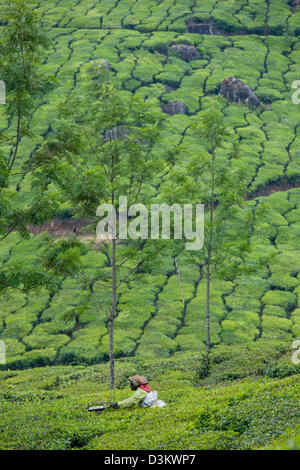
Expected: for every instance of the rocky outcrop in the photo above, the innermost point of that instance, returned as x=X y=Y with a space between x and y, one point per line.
x=175 y=107
x=186 y=52
x=200 y=28
x=122 y=133
x=238 y=92
x=115 y=133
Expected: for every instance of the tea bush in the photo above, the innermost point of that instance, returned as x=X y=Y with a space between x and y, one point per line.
x=286 y=300
x=260 y=46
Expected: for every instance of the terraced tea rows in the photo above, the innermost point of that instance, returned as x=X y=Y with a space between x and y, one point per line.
x=146 y=64
x=152 y=320
x=136 y=38
x=247 y=16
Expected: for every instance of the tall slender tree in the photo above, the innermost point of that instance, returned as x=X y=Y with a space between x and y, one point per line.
x=215 y=180
x=105 y=146
x=23 y=42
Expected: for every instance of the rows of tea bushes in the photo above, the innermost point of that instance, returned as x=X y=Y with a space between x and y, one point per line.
x=146 y=64
x=238 y=16
x=136 y=37
x=158 y=316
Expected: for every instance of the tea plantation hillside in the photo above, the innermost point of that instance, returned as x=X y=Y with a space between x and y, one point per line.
x=257 y=42
x=151 y=320
x=249 y=399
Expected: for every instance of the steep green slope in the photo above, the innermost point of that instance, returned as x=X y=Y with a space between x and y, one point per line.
x=136 y=38
x=152 y=321
x=247 y=16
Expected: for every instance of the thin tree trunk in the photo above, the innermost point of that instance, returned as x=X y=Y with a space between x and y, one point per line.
x=112 y=318
x=208 y=270
x=17 y=141
x=208 y=311
x=19 y=112
x=180 y=283
x=114 y=285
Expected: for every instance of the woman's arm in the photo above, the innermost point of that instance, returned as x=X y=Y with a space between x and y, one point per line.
x=134 y=400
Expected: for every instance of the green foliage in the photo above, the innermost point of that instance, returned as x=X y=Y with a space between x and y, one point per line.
x=233 y=410
x=286 y=300
x=40 y=341
x=84 y=347
x=276 y=328
x=23 y=44
x=16 y=330
x=283 y=281
x=263 y=148
x=155 y=344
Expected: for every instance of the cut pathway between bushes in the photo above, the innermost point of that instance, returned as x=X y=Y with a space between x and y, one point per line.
x=67 y=226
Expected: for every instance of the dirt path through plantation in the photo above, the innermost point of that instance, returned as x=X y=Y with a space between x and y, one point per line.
x=64 y=227
x=67 y=226
x=273 y=188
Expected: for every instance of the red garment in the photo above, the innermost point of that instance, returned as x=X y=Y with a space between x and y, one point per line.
x=146 y=388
